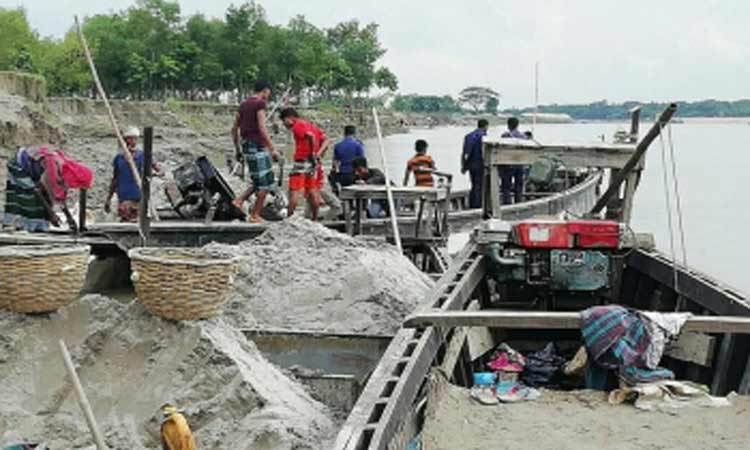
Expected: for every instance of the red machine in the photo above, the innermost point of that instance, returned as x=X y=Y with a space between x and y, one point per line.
x=567 y=234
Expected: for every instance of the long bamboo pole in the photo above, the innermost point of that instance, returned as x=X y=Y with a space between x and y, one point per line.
x=388 y=191
x=112 y=120
x=83 y=401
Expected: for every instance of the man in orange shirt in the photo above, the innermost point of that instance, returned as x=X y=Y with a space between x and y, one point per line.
x=307 y=174
x=422 y=165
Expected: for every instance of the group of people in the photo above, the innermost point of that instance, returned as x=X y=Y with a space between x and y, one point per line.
x=254 y=146
x=253 y=143
x=511 y=177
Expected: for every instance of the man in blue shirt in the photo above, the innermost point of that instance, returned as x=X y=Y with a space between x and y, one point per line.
x=344 y=153
x=471 y=161
x=123 y=183
x=511 y=177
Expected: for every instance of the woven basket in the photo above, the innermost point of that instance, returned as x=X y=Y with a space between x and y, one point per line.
x=41 y=278
x=180 y=283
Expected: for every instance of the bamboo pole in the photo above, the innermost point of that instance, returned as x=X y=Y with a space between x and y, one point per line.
x=83 y=401
x=112 y=120
x=389 y=192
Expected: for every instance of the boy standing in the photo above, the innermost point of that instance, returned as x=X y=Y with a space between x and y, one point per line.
x=310 y=145
x=422 y=165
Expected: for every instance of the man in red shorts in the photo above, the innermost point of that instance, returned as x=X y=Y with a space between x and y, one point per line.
x=307 y=175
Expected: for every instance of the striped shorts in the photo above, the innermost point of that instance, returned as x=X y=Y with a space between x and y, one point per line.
x=259 y=166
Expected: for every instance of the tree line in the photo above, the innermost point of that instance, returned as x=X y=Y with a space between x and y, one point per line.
x=603 y=110
x=150 y=51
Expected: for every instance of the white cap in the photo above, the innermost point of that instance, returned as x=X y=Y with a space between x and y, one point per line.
x=132 y=132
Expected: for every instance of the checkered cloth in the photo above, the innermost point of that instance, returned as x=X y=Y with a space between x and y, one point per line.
x=617 y=338
x=259 y=166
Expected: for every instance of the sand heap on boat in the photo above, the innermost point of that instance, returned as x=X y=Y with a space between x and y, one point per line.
x=130 y=363
x=301 y=275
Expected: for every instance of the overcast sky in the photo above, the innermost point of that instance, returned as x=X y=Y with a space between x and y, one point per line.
x=588 y=49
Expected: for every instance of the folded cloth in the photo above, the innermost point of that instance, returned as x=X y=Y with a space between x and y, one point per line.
x=628 y=341
x=666 y=394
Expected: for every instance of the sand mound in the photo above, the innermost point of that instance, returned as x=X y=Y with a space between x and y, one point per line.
x=130 y=363
x=301 y=275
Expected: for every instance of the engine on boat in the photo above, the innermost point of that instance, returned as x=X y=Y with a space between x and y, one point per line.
x=551 y=263
x=199 y=190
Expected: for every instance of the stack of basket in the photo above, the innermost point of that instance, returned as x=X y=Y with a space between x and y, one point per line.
x=41 y=278
x=181 y=283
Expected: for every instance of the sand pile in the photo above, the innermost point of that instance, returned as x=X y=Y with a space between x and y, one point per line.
x=301 y=275
x=130 y=363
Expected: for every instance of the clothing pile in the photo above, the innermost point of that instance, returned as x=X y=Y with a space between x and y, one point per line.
x=502 y=385
x=629 y=342
x=543 y=368
x=37 y=175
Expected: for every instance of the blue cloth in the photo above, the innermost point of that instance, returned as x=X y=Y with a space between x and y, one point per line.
x=347 y=151
x=617 y=338
x=511 y=180
x=127 y=189
x=515 y=134
x=472 y=153
x=475 y=195
x=259 y=166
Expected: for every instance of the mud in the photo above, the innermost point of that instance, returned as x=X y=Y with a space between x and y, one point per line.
x=301 y=275
x=130 y=363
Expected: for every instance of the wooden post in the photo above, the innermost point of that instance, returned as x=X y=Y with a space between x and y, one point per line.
x=83 y=401
x=744 y=388
x=82 y=210
x=144 y=222
x=108 y=107
x=389 y=193
x=719 y=382
x=635 y=159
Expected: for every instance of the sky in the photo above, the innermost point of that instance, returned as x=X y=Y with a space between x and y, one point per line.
x=588 y=50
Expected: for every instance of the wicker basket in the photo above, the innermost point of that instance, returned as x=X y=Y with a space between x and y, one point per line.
x=41 y=278
x=180 y=283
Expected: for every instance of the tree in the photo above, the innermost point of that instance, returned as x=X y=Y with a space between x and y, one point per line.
x=360 y=48
x=477 y=97
x=491 y=106
x=385 y=79
x=16 y=37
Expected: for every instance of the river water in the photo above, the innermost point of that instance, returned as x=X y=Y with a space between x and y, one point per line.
x=713 y=163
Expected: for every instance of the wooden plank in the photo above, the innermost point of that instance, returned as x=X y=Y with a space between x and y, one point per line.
x=144 y=220
x=377 y=192
x=494 y=192
x=631 y=183
x=694 y=285
x=636 y=160
x=744 y=388
x=693 y=347
x=555 y=320
x=82 y=196
x=453 y=351
x=524 y=153
x=719 y=382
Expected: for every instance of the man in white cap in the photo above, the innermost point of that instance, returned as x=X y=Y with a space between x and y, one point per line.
x=123 y=183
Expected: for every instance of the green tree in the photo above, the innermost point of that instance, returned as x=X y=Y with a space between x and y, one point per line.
x=385 y=79
x=491 y=106
x=16 y=38
x=360 y=48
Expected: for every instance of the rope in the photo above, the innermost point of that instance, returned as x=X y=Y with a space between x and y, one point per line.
x=678 y=208
x=668 y=201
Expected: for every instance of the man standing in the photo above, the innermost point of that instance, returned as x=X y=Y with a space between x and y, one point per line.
x=310 y=145
x=344 y=153
x=252 y=142
x=471 y=161
x=123 y=183
x=512 y=176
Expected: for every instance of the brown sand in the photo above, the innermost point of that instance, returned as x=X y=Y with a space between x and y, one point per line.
x=576 y=420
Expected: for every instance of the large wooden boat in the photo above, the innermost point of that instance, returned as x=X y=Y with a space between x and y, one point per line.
x=502 y=285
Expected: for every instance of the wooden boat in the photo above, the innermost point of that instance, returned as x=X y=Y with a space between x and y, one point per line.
x=502 y=284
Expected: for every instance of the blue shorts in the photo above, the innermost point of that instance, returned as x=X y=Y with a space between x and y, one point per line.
x=259 y=166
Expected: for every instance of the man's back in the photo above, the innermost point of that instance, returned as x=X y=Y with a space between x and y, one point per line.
x=515 y=134
x=346 y=151
x=249 y=126
x=422 y=164
x=302 y=130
